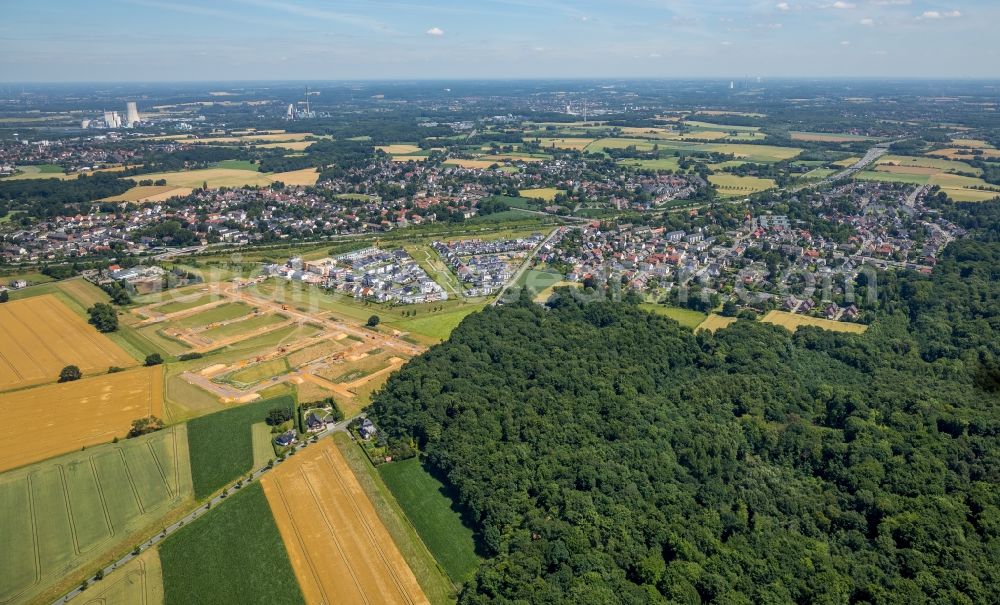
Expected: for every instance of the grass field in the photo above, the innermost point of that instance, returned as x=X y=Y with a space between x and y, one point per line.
x=542 y=193
x=232 y=554
x=440 y=590
x=715 y=322
x=41 y=336
x=937 y=164
x=667 y=163
x=64 y=514
x=238 y=165
x=188 y=301
x=731 y=185
x=221 y=444
x=957 y=187
x=439 y=325
x=792 y=322
x=340 y=551
x=756 y=153
x=246 y=326
x=224 y=312
x=685 y=317
x=423 y=498
x=150 y=193
x=257 y=372
x=67 y=416
x=723 y=127
x=32 y=277
x=260 y=437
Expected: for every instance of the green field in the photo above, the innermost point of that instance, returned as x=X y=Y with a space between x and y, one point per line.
x=187 y=303
x=722 y=127
x=685 y=317
x=232 y=554
x=439 y=325
x=667 y=163
x=72 y=511
x=431 y=576
x=32 y=277
x=222 y=446
x=253 y=374
x=154 y=336
x=223 y=312
x=261 y=438
x=423 y=498
x=731 y=185
x=244 y=327
x=238 y=165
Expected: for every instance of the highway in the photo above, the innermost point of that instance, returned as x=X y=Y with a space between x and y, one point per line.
x=203 y=508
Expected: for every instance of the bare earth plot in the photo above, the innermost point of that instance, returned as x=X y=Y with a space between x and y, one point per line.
x=63 y=417
x=340 y=551
x=40 y=336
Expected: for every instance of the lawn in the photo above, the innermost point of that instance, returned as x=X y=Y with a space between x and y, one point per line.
x=251 y=375
x=431 y=576
x=439 y=325
x=230 y=555
x=223 y=312
x=189 y=302
x=221 y=444
x=685 y=317
x=433 y=512
x=244 y=327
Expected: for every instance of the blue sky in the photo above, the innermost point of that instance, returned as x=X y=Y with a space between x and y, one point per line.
x=164 y=40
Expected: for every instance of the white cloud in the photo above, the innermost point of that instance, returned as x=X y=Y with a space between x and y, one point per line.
x=435 y=31
x=867 y=22
x=841 y=5
x=940 y=15
x=783 y=6
x=655 y=55
x=727 y=43
x=845 y=43
x=892 y=2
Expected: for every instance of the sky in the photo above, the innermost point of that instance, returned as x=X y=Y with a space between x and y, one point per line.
x=220 y=40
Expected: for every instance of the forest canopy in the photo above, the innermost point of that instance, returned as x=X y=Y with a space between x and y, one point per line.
x=606 y=455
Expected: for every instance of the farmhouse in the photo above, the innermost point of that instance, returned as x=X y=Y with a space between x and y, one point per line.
x=367 y=429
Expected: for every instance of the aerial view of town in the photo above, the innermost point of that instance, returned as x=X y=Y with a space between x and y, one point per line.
x=507 y=302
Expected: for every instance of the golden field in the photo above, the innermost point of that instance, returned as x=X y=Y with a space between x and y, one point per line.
x=339 y=548
x=40 y=336
x=65 y=417
x=793 y=321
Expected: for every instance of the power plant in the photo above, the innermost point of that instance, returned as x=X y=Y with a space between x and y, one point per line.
x=131 y=115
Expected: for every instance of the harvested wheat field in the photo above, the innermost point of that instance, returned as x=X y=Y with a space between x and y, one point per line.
x=150 y=193
x=40 y=336
x=715 y=322
x=471 y=164
x=67 y=416
x=340 y=551
x=399 y=149
x=793 y=321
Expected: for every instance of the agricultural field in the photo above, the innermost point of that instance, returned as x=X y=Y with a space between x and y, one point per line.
x=715 y=322
x=542 y=193
x=686 y=317
x=440 y=590
x=221 y=444
x=471 y=164
x=150 y=193
x=723 y=127
x=846 y=162
x=731 y=185
x=263 y=450
x=233 y=177
x=63 y=417
x=244 y=327
x=957 y=187
x=399 y=149
x=661 y=164
x=225 y=312
x=426 y=503
x=32 y=277
x=40 y=336
x=755 y=153
x=793 y=321
x=138 y=582
x=64 y=514
x=935 y=164
x=230 y=554
x=616 y=143
x=564 y=143
x=827 y=137
x=340 y=551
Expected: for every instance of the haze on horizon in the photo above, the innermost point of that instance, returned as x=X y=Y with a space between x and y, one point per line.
x=184 y=40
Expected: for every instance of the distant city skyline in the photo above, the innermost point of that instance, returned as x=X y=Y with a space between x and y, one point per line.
x=182 y=40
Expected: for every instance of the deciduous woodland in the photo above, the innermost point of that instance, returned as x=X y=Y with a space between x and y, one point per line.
x=607 y=455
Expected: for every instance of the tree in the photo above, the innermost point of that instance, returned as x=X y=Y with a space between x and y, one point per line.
x=143 y=426
x=730 y=308
x=153 y=359
x=278 y=416
x=70 y=373
x=104 y=317
x=4 y=296
x=373 y=321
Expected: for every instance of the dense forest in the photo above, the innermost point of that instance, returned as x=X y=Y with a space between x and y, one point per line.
x=606 y=455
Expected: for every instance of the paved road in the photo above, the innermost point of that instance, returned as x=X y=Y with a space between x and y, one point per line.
x=203 y=509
